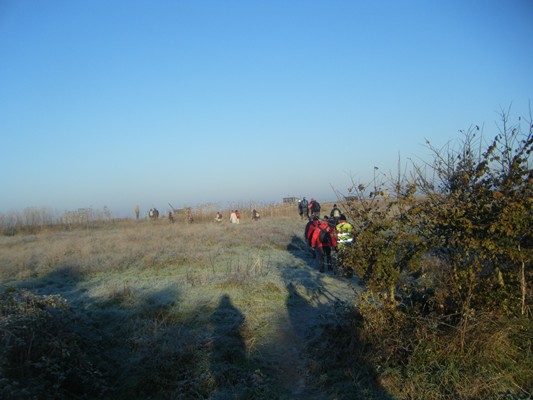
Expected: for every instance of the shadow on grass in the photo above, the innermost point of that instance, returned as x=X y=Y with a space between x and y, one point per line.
x=136 y=345
x=299 y=248
x=130 y=346
x=228 y=347
x=309 y=277
x=127 y=345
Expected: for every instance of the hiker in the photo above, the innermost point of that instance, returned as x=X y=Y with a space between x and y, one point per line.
x=314 y=208
x=153 y=213
x=218 y=217
x=255 y=215
x=335 y=213
x=308 y=232
x=170 y=217
x=323 y=240
x=137 y=211
x=234 y=217
x=344 y=232
x=303 y=208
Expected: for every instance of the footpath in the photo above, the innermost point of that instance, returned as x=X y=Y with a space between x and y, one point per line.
x=311 y=301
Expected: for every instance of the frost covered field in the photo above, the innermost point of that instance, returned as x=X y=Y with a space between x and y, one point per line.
x=153 y=309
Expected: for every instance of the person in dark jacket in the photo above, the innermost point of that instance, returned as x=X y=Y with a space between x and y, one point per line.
x=303 y=208
x=335 y=214
x=314 y=208
x=255 y=215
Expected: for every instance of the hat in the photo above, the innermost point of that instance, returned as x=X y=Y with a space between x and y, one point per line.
x=342 y=217
x=326 y=217
x=315 y=218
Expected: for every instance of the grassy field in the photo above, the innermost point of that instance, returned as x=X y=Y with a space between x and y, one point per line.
x=154 y=310
x=149 y=309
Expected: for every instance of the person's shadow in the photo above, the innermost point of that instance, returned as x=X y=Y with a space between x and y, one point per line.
x=229 y=349
x=299 y=248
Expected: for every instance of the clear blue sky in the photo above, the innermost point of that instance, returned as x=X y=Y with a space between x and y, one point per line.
x=117 y=103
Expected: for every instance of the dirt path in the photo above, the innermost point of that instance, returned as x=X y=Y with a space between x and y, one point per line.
x=312 y=296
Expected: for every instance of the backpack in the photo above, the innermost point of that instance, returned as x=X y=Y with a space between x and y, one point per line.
x=316 y=206
x=324 y=237
x=304 y=203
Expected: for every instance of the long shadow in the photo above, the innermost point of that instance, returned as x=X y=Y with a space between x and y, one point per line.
x=228 y=351
x=299 y=248
x=141 y=346
x=309 y=276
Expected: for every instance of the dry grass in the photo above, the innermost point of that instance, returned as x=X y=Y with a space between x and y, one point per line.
x=154 y=294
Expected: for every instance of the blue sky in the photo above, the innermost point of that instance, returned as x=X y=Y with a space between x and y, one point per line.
x=118 y=103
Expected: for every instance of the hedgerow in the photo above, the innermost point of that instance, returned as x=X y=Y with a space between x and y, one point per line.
x=445 y=255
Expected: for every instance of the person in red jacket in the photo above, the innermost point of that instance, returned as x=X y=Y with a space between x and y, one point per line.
x=308 y=233
x=323 y=240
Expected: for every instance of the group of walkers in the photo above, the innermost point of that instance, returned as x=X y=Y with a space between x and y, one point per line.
x=326 y=235
x=235 y=218
x=308 y=209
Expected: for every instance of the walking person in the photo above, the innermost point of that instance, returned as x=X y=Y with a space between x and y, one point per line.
x=303 y=208
x=314 y=208
x=308 y=232
x=344 y=232
x=335 y=214
x=323 y=240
